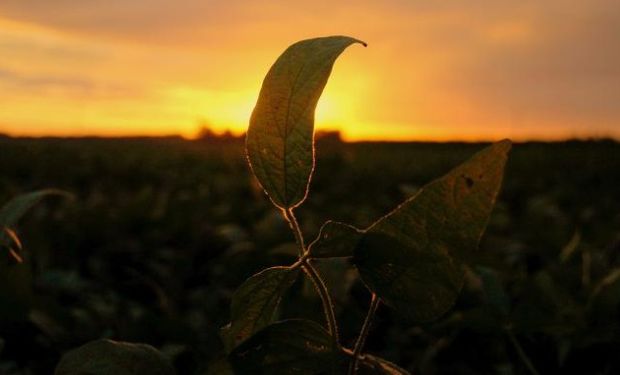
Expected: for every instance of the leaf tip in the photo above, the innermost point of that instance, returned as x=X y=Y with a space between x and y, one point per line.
x=355 y=40
x=503 y=146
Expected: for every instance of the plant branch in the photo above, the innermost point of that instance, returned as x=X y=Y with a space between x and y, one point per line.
x=319 y=284
x=361 y=340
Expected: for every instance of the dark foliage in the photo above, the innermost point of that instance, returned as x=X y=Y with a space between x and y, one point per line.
x=162 y=231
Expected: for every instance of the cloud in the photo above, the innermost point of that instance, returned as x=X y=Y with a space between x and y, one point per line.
x=522 y=66
x=565 y=70
x=41 y=82
x=144 y=21
x=41 y=85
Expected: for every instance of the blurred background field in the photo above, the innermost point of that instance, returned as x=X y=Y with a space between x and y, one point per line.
x=162 y=230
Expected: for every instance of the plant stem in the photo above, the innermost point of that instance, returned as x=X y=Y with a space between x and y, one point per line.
x=299 y=237
x=521 y=353
x=361 y=340
x=328 y=306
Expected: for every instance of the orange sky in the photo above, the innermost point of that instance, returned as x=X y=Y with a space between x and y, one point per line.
x=433 y=70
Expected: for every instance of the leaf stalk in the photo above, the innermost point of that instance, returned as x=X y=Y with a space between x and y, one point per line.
x=315 y=277
x=361 y=340
x=328 y=306
x=299 y=237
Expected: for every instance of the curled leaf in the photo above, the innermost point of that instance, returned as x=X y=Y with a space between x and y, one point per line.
x=280 y=138
x=14 y=209
x=335 y=240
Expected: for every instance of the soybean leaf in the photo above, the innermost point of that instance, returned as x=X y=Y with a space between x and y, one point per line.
x=254 y=304
x=13 y=210
x=107 y=357
x=280 y=144
x=335 y=240
x=12 y=243
x=16 y=293
x=372 y=365
x=289 y=347
x=413 y=257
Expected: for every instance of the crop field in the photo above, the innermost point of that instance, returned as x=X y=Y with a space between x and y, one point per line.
x=159 y=232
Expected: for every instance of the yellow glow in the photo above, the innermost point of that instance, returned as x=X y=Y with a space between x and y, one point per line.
x=220 y=110
x=429 y=73
x=333 y=111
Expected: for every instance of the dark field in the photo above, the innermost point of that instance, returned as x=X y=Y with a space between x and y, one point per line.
x=161 y=231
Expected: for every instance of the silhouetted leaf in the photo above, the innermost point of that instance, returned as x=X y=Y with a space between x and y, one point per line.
x=335 y=240
x=280 y=136
x=107 y=357
x=288 y=347
x=412 y=258
x=13 y=210
x=15 y=275
x=255 y=302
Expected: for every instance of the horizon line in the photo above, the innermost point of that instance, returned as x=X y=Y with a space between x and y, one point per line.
x=239 y=137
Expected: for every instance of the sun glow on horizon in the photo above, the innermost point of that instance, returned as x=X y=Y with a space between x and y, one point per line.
x=430 y=72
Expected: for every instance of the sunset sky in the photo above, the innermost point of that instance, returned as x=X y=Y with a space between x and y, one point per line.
x=432 y=70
